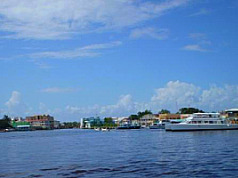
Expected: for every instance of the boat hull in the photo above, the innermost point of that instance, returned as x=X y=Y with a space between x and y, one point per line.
x=200 y=127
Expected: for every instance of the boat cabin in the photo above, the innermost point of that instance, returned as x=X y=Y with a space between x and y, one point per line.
x=206 y=115
x=204 y=118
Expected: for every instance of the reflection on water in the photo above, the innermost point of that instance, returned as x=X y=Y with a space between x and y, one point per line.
x=128 y=153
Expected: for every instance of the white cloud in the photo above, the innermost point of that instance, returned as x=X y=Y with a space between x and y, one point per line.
x=61 y=19
x=219 y=97
x=15 y=105
x=86 y=51
x=150 y=32
x=176 y=94
x=14 y=100
x=194 y=47
x=59 y=90
x=124 y=106
x=180 y=94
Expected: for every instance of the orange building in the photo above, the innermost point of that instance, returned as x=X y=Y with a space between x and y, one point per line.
x=169 y=116
x=41 y=121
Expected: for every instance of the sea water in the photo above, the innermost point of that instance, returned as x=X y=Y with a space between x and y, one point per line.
x=119 y=153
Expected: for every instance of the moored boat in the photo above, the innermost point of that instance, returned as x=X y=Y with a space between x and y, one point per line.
x=203 y=121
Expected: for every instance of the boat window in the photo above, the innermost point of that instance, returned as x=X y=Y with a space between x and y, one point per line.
x=199 y=122
x=210 y=122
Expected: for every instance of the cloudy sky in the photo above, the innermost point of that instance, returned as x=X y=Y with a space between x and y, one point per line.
x=79 y=58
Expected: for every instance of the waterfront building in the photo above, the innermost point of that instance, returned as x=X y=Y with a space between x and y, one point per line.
x=124 y=121
x=20 y=124
x=169 y=116
x=232 y=113
x=56 y=124
x=127 y=121
x=148 y=120
x=41 y=121
x=91 y=122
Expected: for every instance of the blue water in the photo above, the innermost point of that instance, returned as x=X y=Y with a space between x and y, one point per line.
x=127 y=153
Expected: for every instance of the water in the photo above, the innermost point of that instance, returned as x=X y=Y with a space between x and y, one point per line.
x=128 y=153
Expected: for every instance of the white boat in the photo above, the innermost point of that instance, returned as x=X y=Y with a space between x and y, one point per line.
x=105 y=129
x=203 y=121
x=97 y=129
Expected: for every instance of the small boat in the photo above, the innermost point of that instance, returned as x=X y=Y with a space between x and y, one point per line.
x=105 y=130
x=203 y=121
x=97 y=129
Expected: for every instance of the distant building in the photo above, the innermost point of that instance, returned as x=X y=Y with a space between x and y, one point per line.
x=91 y=122
x=41 y=121
x=17 y=119
x=169 y=116
x=20 y=124
x=232 y=113
x=122 y=121
x=56 y=124
x=148 y=120
x=127 y=121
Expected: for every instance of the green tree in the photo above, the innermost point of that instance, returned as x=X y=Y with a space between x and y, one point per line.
x=190 y=111
x=108 y=120
x=133 y=117
x=141 y=114
x=5 y=122
x=164 y=111
x=70 y=125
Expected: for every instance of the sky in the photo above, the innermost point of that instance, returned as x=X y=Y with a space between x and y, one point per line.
x=80 y=58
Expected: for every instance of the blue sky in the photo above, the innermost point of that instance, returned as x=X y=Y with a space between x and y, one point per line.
x=79 y=58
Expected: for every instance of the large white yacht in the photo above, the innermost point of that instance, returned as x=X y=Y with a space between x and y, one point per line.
x=203 y=121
